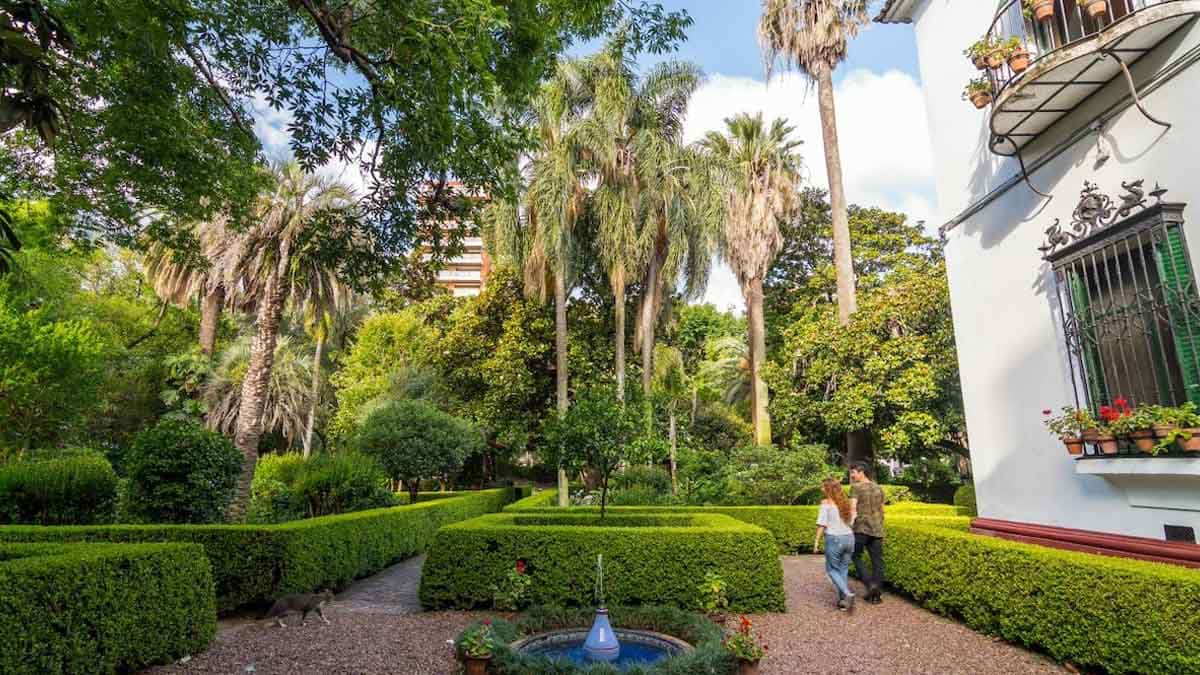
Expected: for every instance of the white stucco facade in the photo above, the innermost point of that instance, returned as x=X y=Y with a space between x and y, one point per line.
x=1012 y=353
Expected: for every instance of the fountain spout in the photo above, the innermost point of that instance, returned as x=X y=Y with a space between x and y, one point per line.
x=601 y=643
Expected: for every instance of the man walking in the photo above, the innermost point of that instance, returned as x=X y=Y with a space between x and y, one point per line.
x=868 y=530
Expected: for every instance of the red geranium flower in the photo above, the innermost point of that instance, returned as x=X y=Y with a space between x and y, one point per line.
x=520 y=567
x=487 y=620
x=1047 y=412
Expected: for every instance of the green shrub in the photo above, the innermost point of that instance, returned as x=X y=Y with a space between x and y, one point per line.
x=775 y=476
x=964 y=501
x=257 y=563
x=288 y=487
x=413 y=440
x=535 y=500
x=180 y=472
x=653 y=478
x=920 y=509
x=78 y=489
x=1096 y=612
x=639 y=495
x=100 y=608
x=646 y=560
x=708 y=656
x=892 y=494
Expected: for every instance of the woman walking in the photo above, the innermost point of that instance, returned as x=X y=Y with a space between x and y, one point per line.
x=834 y=519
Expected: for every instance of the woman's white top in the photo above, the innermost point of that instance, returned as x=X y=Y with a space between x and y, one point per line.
x=831 y=520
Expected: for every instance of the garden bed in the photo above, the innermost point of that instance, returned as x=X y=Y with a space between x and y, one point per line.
x=649 y=558
x=102 y=608
x=257 y=563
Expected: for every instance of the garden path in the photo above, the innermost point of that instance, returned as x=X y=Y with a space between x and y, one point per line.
x=376 y=627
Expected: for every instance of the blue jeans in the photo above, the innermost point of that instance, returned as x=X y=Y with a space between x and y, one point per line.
x=838 y=551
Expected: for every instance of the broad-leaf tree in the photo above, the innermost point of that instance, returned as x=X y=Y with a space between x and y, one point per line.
x=595 y=433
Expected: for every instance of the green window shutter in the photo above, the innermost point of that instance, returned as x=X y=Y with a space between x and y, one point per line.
x=1094 y=377
x=1179 y=294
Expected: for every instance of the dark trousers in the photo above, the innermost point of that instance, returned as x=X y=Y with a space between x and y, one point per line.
x=874 y=547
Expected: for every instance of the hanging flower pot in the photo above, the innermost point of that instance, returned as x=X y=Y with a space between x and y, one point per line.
x=1018 y=60
x=1040 y=10
x=995 y=59
x=1074 y=445
x=1094 y=8
x=979 y=92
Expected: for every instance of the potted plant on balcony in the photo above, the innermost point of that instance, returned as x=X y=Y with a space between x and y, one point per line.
x=979 y=92
x=1094 y=8
x=476 y=646
x=1106 y=436
x=1178 y=426
x=1017 y=54
x=1071 y=427
x=982 y=51
x=1135 y=424
x=1039 y=10
x=746 y=647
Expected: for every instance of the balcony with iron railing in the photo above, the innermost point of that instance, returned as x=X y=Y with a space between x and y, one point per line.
x=1042 y=58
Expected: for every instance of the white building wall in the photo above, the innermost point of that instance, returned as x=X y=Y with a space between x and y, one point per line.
x=1012 y=359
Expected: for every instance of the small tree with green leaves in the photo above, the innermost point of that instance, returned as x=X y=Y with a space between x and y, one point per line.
x=413 y=440
x=595 y=432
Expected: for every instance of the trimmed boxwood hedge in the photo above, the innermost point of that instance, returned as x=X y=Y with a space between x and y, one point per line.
x=1119 y=615
x=539 y=499
x=102 y=608
x=708 y=656
x=645 y=562
x=257 y=563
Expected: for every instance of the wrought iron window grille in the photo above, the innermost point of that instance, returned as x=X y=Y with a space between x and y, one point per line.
x=1127 y=299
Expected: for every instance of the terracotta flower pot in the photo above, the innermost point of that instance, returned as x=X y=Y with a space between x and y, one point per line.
x=718 y=618
x=1019 y=61
x=1043 y=10
x=1097 y=8
x=1091 y=436
x=995 y=59
x=981 y=99
x=1163 y=430
x=1074 y=444
x=476 y=666
x=1143 y=439
x=980 y=62
x=1192 y=444
x=1108 y=444
x=747 y=667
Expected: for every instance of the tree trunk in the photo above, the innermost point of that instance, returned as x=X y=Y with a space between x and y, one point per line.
x=648 y=325
x=254 y=391
x=671 y=436
x=858 y=449
x=619 y=340
x=316 y=396
x=414 y=486
x=210 y=318
x=758 y=351
x=843 y=261
x=560 y=355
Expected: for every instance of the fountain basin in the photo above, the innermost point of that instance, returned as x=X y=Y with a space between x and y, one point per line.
x=638 y=647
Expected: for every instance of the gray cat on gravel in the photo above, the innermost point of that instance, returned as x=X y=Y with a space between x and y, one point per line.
x=302 y=603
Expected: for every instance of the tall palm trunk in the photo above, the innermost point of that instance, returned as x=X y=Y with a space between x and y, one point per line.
x=671 y=436
x=758 y=351
x=560 y=354
x=210 y=318
x=254 y=390
x=858 y=443
x=618 y=282
x=652 y=270
x=316 y=395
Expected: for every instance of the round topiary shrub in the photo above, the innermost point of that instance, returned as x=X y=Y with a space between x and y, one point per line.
x=964 y=499
x=180 y=472
x=74 y=488
x=413 y=440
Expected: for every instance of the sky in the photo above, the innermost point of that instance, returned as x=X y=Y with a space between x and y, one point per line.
x=882 y=128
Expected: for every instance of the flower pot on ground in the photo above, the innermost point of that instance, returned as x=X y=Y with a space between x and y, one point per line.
x=476 y=645
x=476 y=666
x=747 y=667
x=1039 y=10
x=979 y=92
x=746 y=647
x=1094 y=8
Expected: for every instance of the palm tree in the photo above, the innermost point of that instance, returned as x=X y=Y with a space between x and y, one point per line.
x=671 y=386
x=178 y=278
x=812 y=36
x=761 y=174
x=288 y=395
x=326 y=317
x=275 y=260
x=727 y=369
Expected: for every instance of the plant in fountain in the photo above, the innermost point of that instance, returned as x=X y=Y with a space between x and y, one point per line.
x=509 y=594
x=476 y=646
x=747 y=647
x=594 y=433
x=714 y=601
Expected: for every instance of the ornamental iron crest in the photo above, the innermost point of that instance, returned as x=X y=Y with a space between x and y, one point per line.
x=1097 y=211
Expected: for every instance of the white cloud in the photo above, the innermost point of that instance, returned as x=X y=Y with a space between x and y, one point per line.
x=882 y=133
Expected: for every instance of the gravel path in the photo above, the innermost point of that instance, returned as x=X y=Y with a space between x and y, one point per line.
x=374 y=629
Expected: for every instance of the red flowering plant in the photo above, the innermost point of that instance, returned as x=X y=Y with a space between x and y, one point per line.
x=509 y=594
x=478 y=641
x=745 y=645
